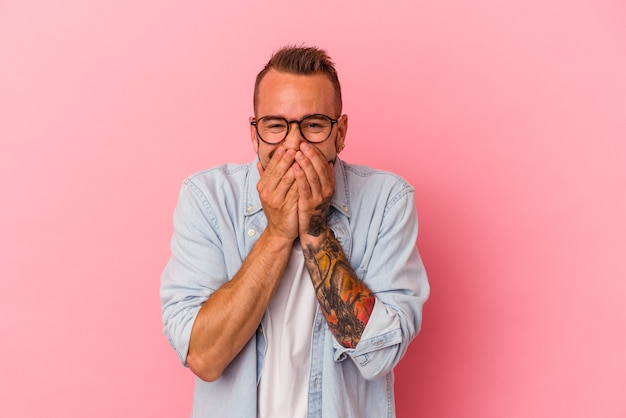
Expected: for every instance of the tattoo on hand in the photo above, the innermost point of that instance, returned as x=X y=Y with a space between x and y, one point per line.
x=317 y=223
x=345 y=301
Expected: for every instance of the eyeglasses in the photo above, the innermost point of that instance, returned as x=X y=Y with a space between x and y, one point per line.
x=274 y=129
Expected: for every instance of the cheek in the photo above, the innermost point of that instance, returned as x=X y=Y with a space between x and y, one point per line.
x=265 y=154
x=329 y=151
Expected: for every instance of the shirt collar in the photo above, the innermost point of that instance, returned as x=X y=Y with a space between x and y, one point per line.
x=341 y=197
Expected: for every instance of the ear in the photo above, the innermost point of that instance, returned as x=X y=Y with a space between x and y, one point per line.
x=342 y=129
x=253 y=138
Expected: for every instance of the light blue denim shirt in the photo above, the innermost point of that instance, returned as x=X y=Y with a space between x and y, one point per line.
x=217 y=221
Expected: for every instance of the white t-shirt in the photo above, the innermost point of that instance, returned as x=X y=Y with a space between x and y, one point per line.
x=283 y=388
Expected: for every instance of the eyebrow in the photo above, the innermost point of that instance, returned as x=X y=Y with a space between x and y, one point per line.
x=296 y=119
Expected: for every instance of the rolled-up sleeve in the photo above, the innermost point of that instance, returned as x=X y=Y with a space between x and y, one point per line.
x=394 y=272
x=196 y=267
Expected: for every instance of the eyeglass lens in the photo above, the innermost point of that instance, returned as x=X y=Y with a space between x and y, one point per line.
x=315 y=128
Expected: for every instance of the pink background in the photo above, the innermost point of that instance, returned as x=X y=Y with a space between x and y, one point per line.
x=509 y=117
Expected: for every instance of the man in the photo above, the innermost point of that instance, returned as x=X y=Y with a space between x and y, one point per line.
x=294 y=285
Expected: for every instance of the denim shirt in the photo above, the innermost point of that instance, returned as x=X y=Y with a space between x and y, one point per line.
x=218 y=219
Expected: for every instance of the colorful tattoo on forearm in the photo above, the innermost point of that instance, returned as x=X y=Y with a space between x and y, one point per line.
x=345 y=301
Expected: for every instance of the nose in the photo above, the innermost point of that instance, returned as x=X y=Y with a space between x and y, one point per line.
x=294 y=136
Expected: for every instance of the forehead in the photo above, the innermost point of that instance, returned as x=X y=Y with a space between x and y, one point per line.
x=295 y=95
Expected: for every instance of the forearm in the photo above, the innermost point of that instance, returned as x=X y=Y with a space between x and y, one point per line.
x=344 y=299
x=231 y=315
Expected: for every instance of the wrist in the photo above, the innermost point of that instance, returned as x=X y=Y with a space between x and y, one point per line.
x=273 y=242
x=316 y=239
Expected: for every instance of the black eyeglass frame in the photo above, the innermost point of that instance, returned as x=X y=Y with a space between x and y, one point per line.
x=298 y=122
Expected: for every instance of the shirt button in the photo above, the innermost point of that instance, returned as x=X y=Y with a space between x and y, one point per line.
x=251 y=232
x=346 y=209
x=249 y=209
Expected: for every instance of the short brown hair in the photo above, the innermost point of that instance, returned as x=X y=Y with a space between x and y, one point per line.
x=303 y=61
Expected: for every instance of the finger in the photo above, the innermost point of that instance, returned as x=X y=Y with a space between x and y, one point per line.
x=275 y=158
x=302 y=184
x=276 y=196
x=277 y=167
x=308 y=178
x=286 y=184
x=323 y=181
